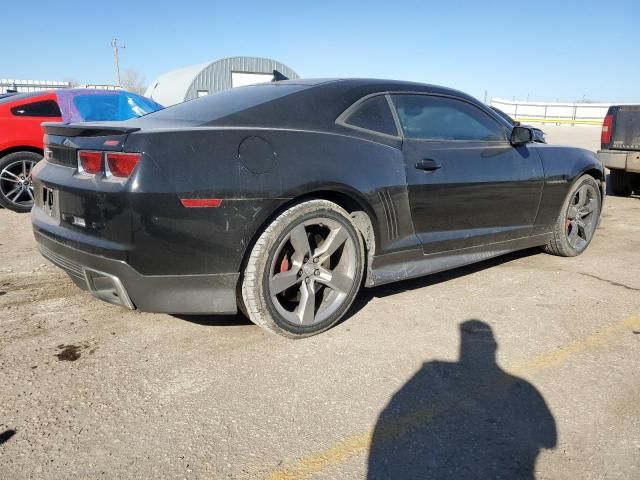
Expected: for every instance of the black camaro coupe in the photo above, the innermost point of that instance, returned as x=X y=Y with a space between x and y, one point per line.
x=283 y=199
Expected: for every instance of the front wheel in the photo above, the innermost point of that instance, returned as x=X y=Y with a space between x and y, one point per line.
x=578 y=219
x=304 y=271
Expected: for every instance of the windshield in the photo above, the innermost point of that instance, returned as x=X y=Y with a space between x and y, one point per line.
x=503 y=115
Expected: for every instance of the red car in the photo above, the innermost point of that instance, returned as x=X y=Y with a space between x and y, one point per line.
x=21 y=115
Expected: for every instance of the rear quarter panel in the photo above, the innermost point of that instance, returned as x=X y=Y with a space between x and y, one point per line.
x=22 y=131
x=258 y=172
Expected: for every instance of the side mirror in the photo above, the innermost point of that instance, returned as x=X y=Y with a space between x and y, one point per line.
x=521 y=135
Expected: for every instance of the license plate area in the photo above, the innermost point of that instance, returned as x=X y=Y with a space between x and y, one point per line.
x=50 y=202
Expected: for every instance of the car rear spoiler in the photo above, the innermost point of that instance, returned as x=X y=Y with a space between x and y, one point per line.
x=85 y=129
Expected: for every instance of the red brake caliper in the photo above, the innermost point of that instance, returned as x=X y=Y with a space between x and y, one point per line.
x=284 y=264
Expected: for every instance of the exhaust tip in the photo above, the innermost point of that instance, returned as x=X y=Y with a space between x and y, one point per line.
x=107 y=287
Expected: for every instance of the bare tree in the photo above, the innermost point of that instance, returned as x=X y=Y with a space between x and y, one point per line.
x=133 y=81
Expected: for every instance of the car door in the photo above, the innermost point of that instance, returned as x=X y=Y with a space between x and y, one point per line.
x=468 y=186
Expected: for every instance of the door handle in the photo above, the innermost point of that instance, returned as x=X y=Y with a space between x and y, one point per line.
x=428 y=165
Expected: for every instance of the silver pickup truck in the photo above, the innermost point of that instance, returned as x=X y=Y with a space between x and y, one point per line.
x=620 y=148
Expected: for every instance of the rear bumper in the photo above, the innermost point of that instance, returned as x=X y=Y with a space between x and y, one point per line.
x=117 y=282
x=620 y=160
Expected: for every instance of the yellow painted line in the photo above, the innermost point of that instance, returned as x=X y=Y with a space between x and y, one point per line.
x=357 y=444
x=552 y=359
x=558 y=120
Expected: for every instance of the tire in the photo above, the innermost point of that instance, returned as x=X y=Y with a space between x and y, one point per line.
x=636 y=183
x=576 y=224
x=621 y=183
x=284 y=290
x=16 y=186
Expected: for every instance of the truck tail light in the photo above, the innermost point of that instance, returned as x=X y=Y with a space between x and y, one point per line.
x=89 y=161
x=121 y=164
x=607 y=126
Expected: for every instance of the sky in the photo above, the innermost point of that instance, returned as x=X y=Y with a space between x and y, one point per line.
x=542 y=50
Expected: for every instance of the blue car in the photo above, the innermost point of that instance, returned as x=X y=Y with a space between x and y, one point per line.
x=87 y=105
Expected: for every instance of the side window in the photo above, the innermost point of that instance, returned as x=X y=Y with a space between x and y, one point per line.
x=46 y=108
x=427 y=117
x=373 y=114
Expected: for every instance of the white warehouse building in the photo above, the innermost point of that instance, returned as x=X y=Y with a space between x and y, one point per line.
x=207 y=78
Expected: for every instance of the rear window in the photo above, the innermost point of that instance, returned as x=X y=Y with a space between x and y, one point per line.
x=373 y=114
x=626 y=128
x=228 y=102
x=113 y=106
x=44 y=108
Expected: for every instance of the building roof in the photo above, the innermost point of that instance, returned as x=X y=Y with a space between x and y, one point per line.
x=170 y=88
x=183 y=84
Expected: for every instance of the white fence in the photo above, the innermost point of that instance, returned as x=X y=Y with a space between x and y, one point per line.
x=550 y=112
x=24 y=86
x=100 y=87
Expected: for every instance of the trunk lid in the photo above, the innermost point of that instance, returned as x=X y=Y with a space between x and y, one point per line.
x=62 y=141
x=91 y=209
x=626 y=128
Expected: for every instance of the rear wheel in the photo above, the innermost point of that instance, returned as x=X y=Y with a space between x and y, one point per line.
x=16 y=185
x=636 y=183
x=578 y=219
x=621 y=183
x=304 y=271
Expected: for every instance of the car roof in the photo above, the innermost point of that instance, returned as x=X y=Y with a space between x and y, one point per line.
x=312 y=104
x=378 y=84
x=20 y=97
x=316 y=103
x=95 y=90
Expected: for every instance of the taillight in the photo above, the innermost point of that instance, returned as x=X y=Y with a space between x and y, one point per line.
x=121 y=164
x=607 y=126
x=89 y=162
x=116 y=164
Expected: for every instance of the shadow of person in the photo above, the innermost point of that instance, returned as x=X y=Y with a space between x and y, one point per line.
x=465 y=419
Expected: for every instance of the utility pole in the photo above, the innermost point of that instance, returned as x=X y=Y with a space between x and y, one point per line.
x=116 y=48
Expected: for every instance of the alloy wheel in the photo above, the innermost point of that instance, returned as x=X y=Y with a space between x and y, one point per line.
x=313 y=271
x=16 y=184
x=582 y=217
